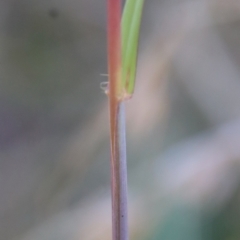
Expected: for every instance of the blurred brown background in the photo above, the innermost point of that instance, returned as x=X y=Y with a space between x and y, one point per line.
x=183 y=122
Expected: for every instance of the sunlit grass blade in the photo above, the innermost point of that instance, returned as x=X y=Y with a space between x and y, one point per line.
x=131 y=20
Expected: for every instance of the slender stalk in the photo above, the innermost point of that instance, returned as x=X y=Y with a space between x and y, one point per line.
x=117 y=125
x=119 y=178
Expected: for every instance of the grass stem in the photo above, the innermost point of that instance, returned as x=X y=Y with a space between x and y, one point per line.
x=119 y=178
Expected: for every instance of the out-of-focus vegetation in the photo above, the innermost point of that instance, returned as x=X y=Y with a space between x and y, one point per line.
x=183 y=122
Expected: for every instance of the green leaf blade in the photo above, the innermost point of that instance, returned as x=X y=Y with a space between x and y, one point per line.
x=131 y=21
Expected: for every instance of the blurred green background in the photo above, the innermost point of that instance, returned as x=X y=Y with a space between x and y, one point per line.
x=183 y=122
